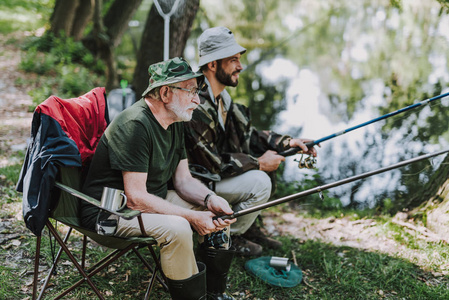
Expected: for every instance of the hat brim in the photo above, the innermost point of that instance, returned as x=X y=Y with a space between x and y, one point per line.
x=173 y=80
x=220 y=54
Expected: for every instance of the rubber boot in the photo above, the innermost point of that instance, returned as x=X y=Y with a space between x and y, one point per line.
x=192 y=288
x=218 y=262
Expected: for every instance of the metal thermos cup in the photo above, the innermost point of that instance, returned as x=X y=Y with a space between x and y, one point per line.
x=113 y=199
x=280 y=263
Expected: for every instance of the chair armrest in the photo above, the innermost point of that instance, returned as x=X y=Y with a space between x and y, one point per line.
x=203 y=174
x=124 y=213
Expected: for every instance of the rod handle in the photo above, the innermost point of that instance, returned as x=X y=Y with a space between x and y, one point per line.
x=225 y=217
x=293 y=151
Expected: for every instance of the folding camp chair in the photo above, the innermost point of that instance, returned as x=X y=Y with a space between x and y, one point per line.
x=64 y=137
x=67 y=212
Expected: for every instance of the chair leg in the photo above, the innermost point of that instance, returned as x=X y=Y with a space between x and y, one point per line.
x=36 y=265
x=154 y=271
x=53 y=267
x=116 y=255
x=156 y=261
x=102 y=261
x=72 y=258
x=83 y=257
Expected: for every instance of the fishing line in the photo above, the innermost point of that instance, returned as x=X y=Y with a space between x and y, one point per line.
x=381 y=142
x=395 y=125
x=324 y=187
x=310 y=161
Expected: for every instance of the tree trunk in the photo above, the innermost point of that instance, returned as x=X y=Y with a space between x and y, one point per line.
x=433 y=188
x=63 y=16
x=117 y=19
x=152 y=44
x=104 y=48
x=433 y=202
x=55 y=9
x=83 y=16
x=102 y=40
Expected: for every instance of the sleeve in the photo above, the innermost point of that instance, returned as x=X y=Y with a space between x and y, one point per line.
x=263 y=140
x=258 y=141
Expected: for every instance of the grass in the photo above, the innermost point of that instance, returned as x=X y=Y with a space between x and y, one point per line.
x=7 y=286
x=330 y=272
x=418 y=270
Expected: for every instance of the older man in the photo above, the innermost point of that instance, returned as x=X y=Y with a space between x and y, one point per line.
x=140 y=152
x=220 y=138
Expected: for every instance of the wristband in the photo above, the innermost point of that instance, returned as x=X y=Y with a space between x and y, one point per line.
x=206 y=199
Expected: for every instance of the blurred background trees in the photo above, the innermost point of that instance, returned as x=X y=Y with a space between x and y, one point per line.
x=349 y=61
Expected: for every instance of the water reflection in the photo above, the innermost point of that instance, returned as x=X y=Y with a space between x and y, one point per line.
x=364 y=62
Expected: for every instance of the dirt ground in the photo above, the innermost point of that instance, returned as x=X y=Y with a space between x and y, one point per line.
x=15 y=124
x=15 y=120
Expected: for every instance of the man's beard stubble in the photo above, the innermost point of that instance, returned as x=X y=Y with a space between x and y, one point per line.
x=226 y=78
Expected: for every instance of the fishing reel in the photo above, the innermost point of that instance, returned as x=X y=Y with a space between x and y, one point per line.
x=217 y=240
x=308 y=162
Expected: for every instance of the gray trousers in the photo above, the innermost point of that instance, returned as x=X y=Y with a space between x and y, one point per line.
x=244 y=191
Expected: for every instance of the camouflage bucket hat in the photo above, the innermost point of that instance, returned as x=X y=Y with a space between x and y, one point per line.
x=171 y=71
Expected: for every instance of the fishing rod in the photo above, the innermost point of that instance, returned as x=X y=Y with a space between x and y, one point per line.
x=310 y=161
x=319 y=189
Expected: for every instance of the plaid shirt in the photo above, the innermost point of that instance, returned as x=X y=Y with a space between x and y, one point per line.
x=227 y=149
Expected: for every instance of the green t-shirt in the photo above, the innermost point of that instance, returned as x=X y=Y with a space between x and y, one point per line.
x=135 y=142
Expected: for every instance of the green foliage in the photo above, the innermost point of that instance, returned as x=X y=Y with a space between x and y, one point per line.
x=341 y=273
x=70 y=69
x=76 y=80
x=10 y=174
x=23 y=15
x=264 y=99
x=63 y=49
x=317 y=203
x=37 y=62
x=387 y=206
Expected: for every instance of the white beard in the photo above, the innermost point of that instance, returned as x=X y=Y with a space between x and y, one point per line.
x=180 y=113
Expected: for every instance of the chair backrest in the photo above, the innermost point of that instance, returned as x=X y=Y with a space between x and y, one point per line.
x=68 y=207
x=84 y=120
x=64 y=132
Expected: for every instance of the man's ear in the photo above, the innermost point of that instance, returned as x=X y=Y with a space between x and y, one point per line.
x=164 y=93
x=212 y=65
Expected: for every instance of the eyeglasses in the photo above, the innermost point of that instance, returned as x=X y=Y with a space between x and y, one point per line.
x=193 y=91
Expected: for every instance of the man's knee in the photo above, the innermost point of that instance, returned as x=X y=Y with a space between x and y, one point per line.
x=177 y=229
x=258 y=187
x=261 y=182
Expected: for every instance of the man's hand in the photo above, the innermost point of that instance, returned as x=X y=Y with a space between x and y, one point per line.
x=270 y=161
x=202 y=222
x=300 y=143
x=220 y=207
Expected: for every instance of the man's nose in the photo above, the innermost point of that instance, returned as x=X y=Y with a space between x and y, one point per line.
x=196 y=99
x=239 y=66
